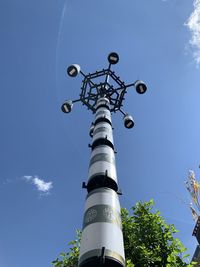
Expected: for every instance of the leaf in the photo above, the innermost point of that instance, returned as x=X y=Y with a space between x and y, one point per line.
x=63 y=254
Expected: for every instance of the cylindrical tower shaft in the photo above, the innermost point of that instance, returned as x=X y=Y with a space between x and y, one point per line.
x=102 y=239
x=102 y=169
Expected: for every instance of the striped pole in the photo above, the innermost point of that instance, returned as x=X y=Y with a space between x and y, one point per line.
x=102 y=238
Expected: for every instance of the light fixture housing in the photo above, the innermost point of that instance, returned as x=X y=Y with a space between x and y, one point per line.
x=113 y=58
x=67 y=106
x=73 y=70
x=128 y=121
x=140 y=87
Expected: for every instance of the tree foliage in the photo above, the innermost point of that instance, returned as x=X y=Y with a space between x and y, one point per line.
x=148 y=240
x=70 y=259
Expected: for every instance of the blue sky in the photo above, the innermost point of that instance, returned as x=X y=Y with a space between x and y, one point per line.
x=44 y=153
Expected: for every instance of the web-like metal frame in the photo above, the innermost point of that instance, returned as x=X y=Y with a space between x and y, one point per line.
x=110 y=86
x=91 y=91
x=104 y=83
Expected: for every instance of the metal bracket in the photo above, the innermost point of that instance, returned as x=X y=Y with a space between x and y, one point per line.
x=102 y=257
x=119 y=192
x=84 y=185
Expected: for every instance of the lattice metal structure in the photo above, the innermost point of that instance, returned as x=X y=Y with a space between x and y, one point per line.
x=103 y=93
x=110 y=85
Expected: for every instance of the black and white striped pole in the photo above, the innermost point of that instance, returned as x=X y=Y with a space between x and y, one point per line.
x=102 y=238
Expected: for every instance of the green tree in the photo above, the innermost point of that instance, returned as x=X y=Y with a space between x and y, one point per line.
x=148 y=240
x=70 y=259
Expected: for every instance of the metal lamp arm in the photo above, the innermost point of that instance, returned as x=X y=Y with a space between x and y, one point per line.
x=122 y=112
x=77 y=100
x=125 y=86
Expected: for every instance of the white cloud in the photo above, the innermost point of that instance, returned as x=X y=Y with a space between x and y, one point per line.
x=41 y=185
x=193 y=23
